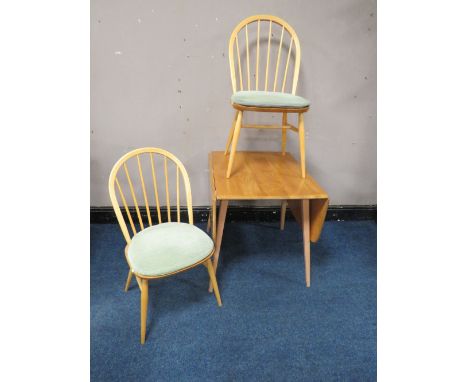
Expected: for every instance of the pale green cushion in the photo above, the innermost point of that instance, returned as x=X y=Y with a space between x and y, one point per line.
x=168 y=247
x=268 y=99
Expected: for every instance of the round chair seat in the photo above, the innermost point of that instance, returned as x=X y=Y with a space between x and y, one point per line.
x=167 y=248
x=257 y=98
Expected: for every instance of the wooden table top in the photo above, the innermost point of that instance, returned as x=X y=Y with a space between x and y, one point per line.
x=261 y=175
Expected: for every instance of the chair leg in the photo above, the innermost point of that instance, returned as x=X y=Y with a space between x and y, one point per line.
x=302 y=143
x=283 y=134
x=144 y=309
x=214 y=283
x=283 y=214
x=235 y=138
x=231 y=132
x=213 y=219
x=138 y=282
x=129 y=279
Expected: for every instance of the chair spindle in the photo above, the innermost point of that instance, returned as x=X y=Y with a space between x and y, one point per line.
x=258 y=54
x=178 y=196
x=143 y=187
x=142 y=226
x=239 y=64
x=287 y=64
x=125 y=205
x=278 y=59
x=247 y=56
x=155 y=186
x=268 y=59
x=168 y=205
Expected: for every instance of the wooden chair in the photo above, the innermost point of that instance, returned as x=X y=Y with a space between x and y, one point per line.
x=248 y=92
x=163 y=249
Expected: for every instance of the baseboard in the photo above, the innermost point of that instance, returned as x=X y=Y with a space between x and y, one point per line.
x=105 y=215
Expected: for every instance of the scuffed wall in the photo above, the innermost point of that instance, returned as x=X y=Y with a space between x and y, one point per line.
x=160 y=77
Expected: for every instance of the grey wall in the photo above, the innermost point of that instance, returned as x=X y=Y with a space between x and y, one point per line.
x=160 y=77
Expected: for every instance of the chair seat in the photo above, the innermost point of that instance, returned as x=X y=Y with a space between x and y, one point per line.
x=269 y=99
x=168 y=247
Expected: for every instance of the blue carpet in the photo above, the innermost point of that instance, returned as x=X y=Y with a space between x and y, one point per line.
x=270 y=328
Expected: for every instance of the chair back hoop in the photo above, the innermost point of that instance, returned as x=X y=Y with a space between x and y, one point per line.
x=263 y=23
x=149 y=188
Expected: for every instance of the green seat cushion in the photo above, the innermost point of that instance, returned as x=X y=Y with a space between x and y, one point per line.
x=268 y=99
x=168 y=247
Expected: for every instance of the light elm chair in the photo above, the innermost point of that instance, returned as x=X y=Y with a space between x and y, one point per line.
x=157 y=250
x=257 y=88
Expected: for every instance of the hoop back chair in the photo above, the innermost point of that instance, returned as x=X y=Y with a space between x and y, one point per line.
x=250 y=94
x=161 y=248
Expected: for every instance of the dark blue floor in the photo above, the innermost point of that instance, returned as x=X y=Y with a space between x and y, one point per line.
x=270 y=328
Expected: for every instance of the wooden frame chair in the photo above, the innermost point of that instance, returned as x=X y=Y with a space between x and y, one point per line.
x=135 y=263
x=275 y=101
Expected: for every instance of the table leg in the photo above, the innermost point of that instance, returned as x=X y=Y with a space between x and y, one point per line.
x=208 y=223
x=219 y=235
x=284 y=204
x=306 y=238
x=213 y=221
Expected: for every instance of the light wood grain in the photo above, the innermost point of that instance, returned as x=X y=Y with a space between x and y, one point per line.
x=285 y=126
x=113 y=182
x=263 y=175
x=247 y=56
x=269 y=176
x=213 y=201
x=268 y=58
x=235 y=139
x=144 y=310
x=302 y=143
x=135 y=203
x=219 y=235
x=231 y=133
x=178 y=195
x=237 y=77
x=213 y=281
x=318 y=211
x=168 y=203
x=143 y=188
x=122 y=197
x=155 y=188
x=234 y=45
x=278 y=58
x=239 y=64
x=138 y=279
x=287 y=65
x=306 y=239
x=258 y=54
x=129 y=280
x=114 y=185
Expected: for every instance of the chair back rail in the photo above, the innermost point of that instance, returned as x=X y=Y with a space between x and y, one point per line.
x=122 y=186
x=239 y=42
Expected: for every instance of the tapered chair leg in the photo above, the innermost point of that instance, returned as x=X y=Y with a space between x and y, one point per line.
x=144 y=309
x=129 y=279
x=214 y=283
x=235 y=138
x=302 y=143
x=283 y=134
x=283 y=214
x=231 y=132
